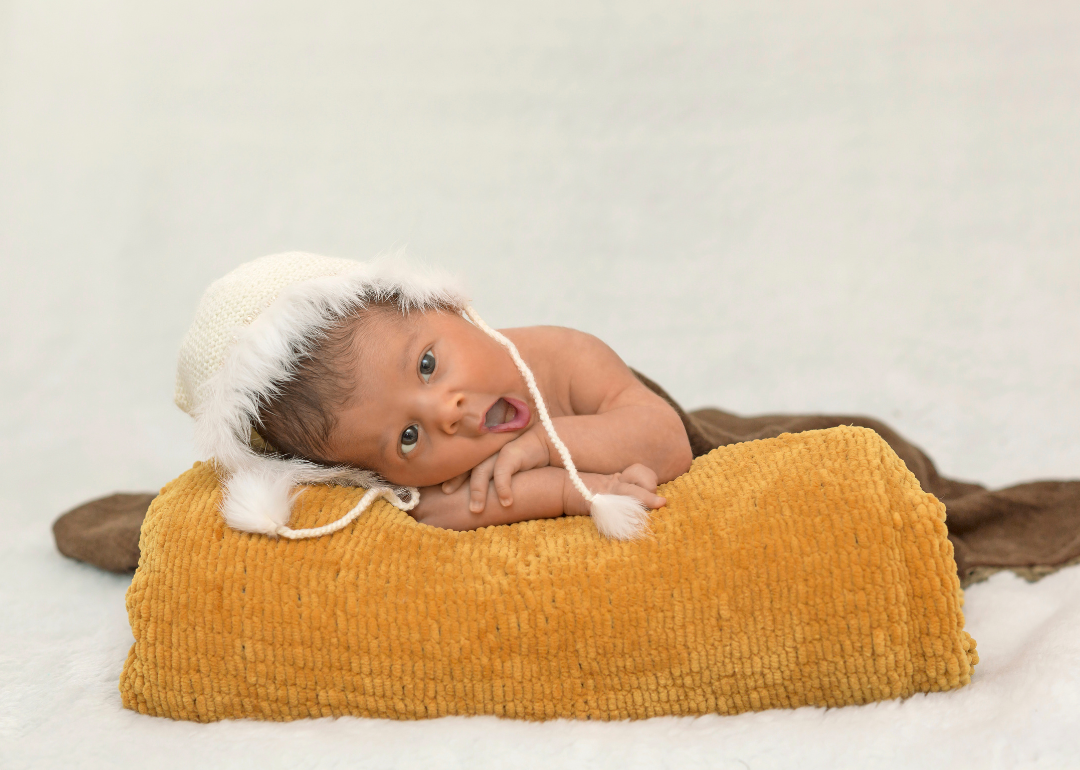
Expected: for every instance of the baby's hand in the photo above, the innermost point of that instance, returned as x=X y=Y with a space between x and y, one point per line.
x=524 y=453
x=637 y=481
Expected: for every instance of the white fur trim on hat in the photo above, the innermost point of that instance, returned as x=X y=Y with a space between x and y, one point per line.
x=250 y=330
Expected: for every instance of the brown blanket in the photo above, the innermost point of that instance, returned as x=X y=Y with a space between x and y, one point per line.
x=1032 y=529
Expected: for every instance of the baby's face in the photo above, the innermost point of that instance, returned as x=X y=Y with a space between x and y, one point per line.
x=435 y=396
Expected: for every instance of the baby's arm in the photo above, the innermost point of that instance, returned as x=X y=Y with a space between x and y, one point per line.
x=614 y=420
x=541 y=493
x=608 y=419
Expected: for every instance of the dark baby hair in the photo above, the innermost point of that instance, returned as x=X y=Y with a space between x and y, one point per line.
x=299 y=417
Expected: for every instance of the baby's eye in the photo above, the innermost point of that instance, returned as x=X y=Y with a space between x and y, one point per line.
x=409 y=437
x=427 y=365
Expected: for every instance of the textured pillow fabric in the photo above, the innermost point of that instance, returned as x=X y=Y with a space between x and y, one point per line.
x=805 y=569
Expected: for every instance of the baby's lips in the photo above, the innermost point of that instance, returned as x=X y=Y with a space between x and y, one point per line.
x=522 y=415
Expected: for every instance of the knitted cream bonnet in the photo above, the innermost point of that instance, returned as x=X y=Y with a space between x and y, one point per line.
x=251 y=329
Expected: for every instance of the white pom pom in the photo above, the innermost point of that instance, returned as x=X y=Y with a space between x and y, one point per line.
x=258 y=500
x=619 y=517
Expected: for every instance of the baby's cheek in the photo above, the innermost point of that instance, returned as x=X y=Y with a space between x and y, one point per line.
x=448 y=460
x=464 y=455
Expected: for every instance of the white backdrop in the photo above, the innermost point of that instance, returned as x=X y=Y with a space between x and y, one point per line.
x=831 y=206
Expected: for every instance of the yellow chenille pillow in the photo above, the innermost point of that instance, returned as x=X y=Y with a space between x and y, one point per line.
x=805 y=569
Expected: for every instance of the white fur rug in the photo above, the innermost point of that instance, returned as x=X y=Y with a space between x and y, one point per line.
x=835 y=206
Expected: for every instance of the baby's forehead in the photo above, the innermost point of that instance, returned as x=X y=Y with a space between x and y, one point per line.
x=378 y=345
x=378 y=325
x=377 y=337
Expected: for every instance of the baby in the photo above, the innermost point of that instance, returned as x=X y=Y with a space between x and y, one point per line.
x=428 y=400
x=370 y=374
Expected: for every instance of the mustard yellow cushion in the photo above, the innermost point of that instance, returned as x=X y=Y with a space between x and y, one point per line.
x=805 y=569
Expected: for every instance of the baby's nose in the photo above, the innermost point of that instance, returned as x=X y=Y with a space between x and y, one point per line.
x=450 y=410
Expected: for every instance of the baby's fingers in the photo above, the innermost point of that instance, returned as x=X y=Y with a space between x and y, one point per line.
x=454 y=484
x=478 y=484
x=648 y=498
x=505 y=468
x=641 y=475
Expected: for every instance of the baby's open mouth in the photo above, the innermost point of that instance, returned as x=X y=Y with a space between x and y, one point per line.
x=506 y=414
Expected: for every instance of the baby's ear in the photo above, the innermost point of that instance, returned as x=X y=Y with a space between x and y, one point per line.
x=259 y=500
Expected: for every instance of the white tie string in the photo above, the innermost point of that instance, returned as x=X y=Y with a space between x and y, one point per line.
x=541 y=407
x=365 y=501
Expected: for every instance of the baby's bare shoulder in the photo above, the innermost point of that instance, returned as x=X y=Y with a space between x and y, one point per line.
x=558 y=341
x=579 y=371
